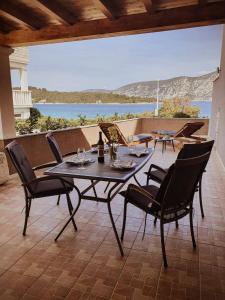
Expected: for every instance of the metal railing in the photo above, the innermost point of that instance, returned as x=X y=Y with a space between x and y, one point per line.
x=22 y=98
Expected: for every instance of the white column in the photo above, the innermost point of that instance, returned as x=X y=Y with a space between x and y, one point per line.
x=7 y=121
x=23 y=80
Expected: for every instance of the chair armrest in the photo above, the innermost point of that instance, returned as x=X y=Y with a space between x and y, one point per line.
x=45 y=178
x=48 y=165
x=153 y=166
x=142 y=192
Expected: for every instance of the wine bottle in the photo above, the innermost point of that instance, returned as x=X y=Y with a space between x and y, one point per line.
x=100 y=149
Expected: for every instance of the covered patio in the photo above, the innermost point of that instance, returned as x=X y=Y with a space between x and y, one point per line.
x=87 y=264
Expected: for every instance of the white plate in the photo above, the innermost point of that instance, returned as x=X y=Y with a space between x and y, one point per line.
x=78 y=162
x=123 y=165
x=139 y=153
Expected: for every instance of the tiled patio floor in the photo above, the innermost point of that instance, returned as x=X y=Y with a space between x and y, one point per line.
x=87 y=264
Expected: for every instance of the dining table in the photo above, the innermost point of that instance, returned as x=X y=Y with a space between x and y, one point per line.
x=96 y=173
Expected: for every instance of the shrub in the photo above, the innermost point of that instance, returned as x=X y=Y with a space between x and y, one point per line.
x=171 y=107
x=181 y=114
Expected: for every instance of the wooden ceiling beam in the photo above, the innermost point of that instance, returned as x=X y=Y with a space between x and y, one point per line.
x=150 y=5
x=55 y=11
x=13 y=12
x=15 y=20
x=106 y=8
x=202 y=2
x=174 y=18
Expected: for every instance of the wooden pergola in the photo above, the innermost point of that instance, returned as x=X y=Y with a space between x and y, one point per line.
x=35 y=22
x=32 y=22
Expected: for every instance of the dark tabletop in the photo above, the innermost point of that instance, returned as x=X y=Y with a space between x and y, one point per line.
x=99 y=171
x=164 y=132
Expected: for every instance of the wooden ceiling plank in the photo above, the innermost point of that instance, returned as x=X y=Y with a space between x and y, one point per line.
x=202 y=2
x=105 y=8
x=16 y=14
x=170 y=19
x=15 y=19
x=55 y=11
x=150 y=5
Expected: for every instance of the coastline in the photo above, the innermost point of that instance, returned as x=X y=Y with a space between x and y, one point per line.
x=111 y=103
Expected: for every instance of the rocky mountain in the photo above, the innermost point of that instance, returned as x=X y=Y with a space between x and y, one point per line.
x=199 y=88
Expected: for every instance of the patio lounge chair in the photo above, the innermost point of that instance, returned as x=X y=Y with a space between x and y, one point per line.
x=185 y=134
x=171 y=201
x=158 y=174
x=36 y=187
x=136 y=139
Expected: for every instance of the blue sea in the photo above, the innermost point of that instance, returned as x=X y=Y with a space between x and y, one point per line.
x=71 y=111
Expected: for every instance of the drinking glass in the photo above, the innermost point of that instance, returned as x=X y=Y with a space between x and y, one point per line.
x=81 y=153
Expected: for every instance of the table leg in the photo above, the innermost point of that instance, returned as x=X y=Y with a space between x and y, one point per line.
x=114 y=229
x=110 y=197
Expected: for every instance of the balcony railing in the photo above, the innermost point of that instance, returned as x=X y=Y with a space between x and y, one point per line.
x=22 y=98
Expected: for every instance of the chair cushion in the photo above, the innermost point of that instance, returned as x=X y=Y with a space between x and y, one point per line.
x=169 y=217
x=50 y=187
x=142 y=137
x=143 y=202
x=157 y=175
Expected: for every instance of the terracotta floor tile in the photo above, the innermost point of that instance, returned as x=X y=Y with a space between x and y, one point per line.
x=87 y=264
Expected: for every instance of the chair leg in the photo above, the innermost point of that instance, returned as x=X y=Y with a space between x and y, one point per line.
x=124 y=219
x=70 y=208
x=155 y=221
x=192 y=228
x=106 y=188
x=58 y=199
x=144 y=226
x=27 y=213
x=177 y=224
x=155 y=142
x=173 y=145
x=200 y=197
x=163 y=244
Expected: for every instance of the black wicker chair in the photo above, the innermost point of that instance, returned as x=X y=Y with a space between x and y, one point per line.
x=158 y=174
x=57 y=154
x=37 y=187
x=171 y=201
x=59 y=157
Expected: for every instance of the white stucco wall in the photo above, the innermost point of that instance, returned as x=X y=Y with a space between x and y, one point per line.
x=217 y=123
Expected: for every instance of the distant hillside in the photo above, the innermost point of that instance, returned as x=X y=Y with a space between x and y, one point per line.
x=184 y=86
x=198 y=88
x=45 y=96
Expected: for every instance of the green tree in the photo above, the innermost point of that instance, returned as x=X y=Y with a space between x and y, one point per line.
x=171 y=107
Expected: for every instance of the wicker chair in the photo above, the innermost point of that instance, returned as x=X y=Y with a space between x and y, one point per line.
x=36 y=187
x=171 y=201
x=57 y=154
x=136 y=139
x=158 y=174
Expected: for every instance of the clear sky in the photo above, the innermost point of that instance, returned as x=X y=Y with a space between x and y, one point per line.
x=112 y=62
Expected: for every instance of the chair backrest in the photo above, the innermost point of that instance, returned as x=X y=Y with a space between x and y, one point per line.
x=193 y=150
x=20 y=161
x=188 y=129
x=177 y=190
x=105 y=129
x=54 y=147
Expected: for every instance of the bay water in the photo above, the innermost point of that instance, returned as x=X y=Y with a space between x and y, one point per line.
x=72 y=111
